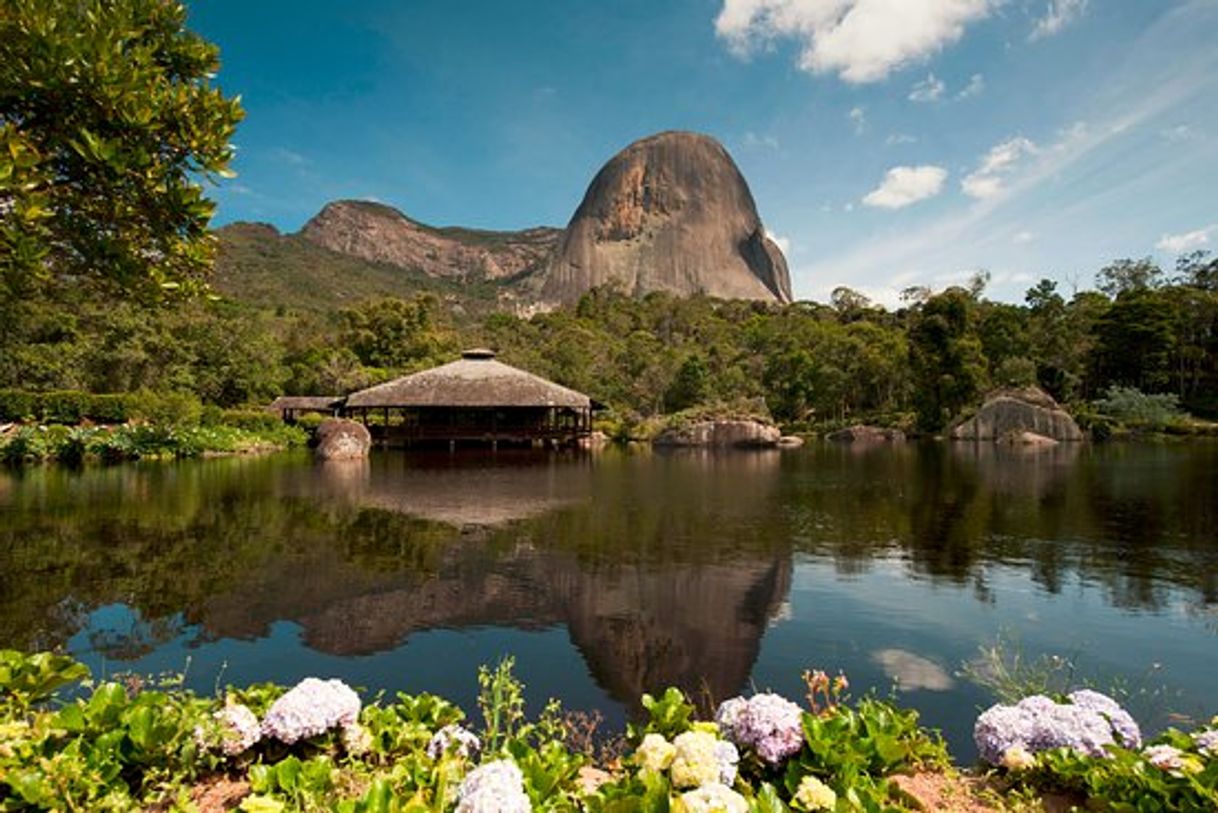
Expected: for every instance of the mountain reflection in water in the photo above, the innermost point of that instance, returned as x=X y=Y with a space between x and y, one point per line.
x=699 y=570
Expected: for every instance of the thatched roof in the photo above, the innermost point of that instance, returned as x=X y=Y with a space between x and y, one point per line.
x=476 y=380
x=317 y=402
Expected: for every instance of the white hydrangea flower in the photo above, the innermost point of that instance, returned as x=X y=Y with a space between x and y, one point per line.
x=655 y=753
x=813 y=794
x=356 y=739
x=453 y=739
x=1017 y=758
x=310 y=708
x=695 y=762
x=496 y=787
x=238 y=730
x=711 y=798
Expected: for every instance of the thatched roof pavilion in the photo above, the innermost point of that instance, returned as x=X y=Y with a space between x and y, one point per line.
x=475 y=398
x=290 y=407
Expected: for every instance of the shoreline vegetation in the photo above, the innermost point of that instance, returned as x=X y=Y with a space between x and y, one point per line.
x=71 y=743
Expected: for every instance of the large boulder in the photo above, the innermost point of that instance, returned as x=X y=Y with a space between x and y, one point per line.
x=339 y=439
x=861 y=433
x=1009 y=414
x=739 y=433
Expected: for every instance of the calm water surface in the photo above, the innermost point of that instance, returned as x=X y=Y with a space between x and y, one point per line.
x=612 y=574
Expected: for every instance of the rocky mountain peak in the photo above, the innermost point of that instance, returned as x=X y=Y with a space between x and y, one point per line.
x=670 y=212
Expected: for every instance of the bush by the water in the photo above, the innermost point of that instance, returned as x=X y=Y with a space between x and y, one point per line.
x=1131 y=406
x=139 y=441
x=318 y=746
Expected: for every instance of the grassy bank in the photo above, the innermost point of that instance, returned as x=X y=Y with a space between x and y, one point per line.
x=68 y=743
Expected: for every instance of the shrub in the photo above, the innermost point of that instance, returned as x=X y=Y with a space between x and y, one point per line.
x=172 y=409
x=1132 y=406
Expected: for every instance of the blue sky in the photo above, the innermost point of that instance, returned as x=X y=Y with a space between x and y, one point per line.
x=888 y=143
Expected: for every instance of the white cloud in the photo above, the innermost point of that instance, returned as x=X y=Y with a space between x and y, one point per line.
x=989 y=179
x=1023 y=237
x=1179 y=133
x=860 y=40
x=1188 y=241
x=858 y=117
x=754 y=141
x=900 y=138
x=1058 y=15
x=930 y=89
x=975 y=87
x=903 y=186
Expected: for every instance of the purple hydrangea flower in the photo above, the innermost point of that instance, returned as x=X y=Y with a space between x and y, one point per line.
x=1165 y=757
x=769 y=724
x=496 y=787
x=453 y=739
x=310 y=708
x=1123 y=725
x=1038 y=724
x=1207 y=741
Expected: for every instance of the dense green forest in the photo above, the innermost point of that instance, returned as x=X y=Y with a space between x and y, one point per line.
x=810 y=364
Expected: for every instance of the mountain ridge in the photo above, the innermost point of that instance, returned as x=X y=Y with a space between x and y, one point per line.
x=670 y=212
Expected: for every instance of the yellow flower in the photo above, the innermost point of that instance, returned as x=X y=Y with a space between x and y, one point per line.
x=655 y=753
x=694 y=763
x=813 y=794
x=1017 y=758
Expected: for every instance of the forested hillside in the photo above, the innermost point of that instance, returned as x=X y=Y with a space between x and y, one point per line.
x=810 y=363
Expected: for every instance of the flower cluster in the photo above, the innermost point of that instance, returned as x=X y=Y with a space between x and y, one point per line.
x=238 y=730
x=1123 y=725
x=712 y=797
x=356 y=740
x=769 y=724
x=655 y=753
x=310 y=708
x=496 y=787
x=453 y=739
x=1164 y=757
x=1087 y=725
x=813 y=794
x=1207 y=741
x=694 y=761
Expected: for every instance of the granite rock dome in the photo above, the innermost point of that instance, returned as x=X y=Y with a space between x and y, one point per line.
x=671 y=212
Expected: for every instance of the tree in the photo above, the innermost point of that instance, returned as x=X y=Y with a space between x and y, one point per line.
x=689 y=387
x=108 y=123
x=1124 y=276
x=946 y=357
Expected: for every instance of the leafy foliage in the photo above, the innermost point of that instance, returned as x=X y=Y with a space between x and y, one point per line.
x=108 y=121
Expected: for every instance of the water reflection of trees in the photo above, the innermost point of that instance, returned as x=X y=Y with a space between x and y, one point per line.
x=663 y=568
x=1136 y=521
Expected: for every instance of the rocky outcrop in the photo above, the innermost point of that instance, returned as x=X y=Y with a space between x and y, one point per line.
x=379 y=233
x=861 y=433
x=721 y=433
x=1008 y=414
x=339 y=439
x=669 y=213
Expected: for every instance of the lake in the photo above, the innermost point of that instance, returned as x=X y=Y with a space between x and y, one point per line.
x=610 y=574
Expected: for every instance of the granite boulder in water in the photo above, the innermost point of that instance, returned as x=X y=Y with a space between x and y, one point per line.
x=1013 y=413
x=339 y=439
